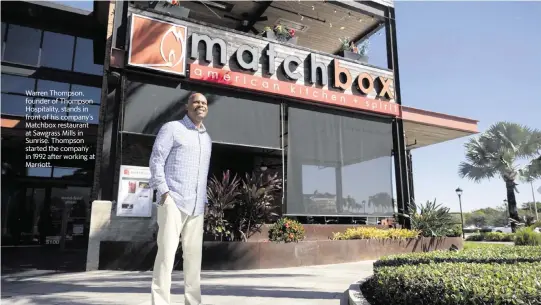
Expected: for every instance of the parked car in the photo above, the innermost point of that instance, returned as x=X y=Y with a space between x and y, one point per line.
x=506 y=229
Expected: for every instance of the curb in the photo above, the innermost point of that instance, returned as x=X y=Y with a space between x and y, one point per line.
x=355 y=296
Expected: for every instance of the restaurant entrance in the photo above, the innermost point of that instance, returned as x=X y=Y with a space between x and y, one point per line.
x=45 y=223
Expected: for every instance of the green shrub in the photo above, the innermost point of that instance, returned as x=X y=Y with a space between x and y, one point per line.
x=491 y=236
x=527 y=237
x=375 y=233
x=286 y=230
x=501 y=255
x=455 y=283
x=497 y=236
x=455 y=231
x=536 y=225
x=430 y=219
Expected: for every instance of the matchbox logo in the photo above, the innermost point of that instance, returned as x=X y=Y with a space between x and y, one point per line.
x=157 y=45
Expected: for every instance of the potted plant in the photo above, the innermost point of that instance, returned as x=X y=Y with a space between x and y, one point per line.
x=357 y=52
x=172 y=8
x=280 y=33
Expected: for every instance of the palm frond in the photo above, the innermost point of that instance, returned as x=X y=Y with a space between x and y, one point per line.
x=496 y=151
x=476 y=173
x=532 y=171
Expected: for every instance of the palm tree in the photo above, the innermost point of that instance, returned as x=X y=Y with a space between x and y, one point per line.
x=533 y=170
x=496 y=152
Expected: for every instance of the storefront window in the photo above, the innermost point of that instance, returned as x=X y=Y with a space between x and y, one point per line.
x=3 y=37
x=14 y=95
x=90 y=93
x=57 y=50
x=93 y=113
x=38 y=172
x=84 y=57
x=232 y=118
x=16 y=84
x=338 y=165
x=47 y=85
x=23 y=45
x=13 y=104
x=69 y=172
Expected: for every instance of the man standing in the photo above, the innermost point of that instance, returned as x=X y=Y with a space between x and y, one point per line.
x=179 y=167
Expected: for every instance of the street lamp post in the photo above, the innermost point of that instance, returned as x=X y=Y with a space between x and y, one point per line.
x=534 y=202
x=507 y=212
x=459 y=193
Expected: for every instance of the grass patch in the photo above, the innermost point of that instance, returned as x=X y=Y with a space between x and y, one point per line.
x=473 y=245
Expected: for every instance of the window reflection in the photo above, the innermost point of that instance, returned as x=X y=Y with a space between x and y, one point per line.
x=90 y=93
x=22 y=45
x=38 y=172
x=16 y=84
x=57 y=50
x=3 y=37
x=84 y=57
x=319 y=189
x=47 y=85
x=338 y=165
x=59 y=172
x=93 y=113
x=13 y=104
x=54 y=112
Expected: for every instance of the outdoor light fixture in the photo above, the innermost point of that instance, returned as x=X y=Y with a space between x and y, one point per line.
x=459 y=193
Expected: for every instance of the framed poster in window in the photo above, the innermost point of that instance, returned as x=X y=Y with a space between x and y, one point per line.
x=135 y=196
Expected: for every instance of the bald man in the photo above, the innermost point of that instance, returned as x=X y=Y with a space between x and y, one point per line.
x=179 y=166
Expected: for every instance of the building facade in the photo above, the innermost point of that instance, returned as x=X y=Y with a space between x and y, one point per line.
x=330 y=124
x=44 y=48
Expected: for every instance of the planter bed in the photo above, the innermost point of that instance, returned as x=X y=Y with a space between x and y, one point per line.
x=117 y=255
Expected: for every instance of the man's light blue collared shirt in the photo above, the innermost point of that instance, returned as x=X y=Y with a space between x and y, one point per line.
x=179 y=164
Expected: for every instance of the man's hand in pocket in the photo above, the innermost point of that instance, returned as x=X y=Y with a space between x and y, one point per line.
x=164 y=197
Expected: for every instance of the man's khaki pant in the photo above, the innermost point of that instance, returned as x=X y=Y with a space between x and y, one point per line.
x=174 y=223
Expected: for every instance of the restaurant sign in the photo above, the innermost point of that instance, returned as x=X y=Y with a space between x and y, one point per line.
x=163 y=46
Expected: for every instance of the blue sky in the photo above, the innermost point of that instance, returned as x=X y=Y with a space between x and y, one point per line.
x=84 y=5
x=491 y=52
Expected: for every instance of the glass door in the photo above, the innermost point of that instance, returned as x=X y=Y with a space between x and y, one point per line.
x=72 y=204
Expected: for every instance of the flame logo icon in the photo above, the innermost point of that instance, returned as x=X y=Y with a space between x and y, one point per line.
x=158 y=45
x=177 y=37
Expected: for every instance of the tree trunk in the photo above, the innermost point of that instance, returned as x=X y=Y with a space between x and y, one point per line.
x=512 y=203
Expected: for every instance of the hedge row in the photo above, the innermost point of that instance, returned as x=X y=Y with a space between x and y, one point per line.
x=456 y=283
x=492 y=236
x=375 y=233
x=501 y=255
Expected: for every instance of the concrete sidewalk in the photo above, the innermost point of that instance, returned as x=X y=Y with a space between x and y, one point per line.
x=321 y=285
